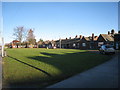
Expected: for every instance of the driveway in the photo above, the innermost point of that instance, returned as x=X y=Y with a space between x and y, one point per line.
x=102 y=76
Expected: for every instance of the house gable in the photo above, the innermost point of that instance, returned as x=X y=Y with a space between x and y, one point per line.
x=101 y=39
x=105 y=38
x=84 y=39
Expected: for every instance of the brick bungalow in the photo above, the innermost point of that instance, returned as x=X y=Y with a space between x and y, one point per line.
x=63 y=43
x=106 y=38
x=52 y=44
x=88 y=42
x=81 y=42
x=47 y=44
x=15 y=44
x=117 y=41
x=74 y=43
x=69 y=43
x=40 y=44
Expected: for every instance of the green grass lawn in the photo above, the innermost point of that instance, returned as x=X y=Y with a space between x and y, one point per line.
x=41 y=67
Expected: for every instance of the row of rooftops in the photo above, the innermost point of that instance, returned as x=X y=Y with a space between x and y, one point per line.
x=107 y=37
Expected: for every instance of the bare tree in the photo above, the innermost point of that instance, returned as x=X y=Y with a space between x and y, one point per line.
x=19 y=33
x=30 y=37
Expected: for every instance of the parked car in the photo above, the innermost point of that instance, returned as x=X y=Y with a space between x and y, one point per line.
x=107 y=49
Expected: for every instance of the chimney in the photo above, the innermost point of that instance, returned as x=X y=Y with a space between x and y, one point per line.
x=108 y=32
x=80 y=36
x=92 y=36
x=119 y=32
x=112 y=31
x=95 y=36
x=76 y=36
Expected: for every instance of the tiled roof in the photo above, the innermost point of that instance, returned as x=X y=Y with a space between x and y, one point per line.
x=72 y=40
x=46 y=42
x=95 y=38
x=107 y=37
x=67 y=41
x=90 y=38
x=15 y=41
x=87 y=38
x=40 y=42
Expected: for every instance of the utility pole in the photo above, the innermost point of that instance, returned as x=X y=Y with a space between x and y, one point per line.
x=1 y=30
x=2 y=47
x=60 y=43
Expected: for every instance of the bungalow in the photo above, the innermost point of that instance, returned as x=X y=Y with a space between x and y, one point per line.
x=81 y=42
x=62 y=43
x=52 y=44
x=106 y=38
x=47 y=44
x=15 y=44
x=88 y=42
x=40 y=44
x=69 y=43
x=58 y=43
x=74 y=43
x=117 y=40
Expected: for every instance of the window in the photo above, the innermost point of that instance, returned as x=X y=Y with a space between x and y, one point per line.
x=83 y=44
x=100 y=43
x=74 y=45
x=90 y=46
x=117 y=46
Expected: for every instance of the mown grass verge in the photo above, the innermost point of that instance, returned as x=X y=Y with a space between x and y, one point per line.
x=41 y=67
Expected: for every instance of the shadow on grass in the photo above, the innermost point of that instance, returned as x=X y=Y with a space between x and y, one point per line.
x=71 y=63
x=68 y=63
x=30 y=65
x=49 y=54
x=36 y=82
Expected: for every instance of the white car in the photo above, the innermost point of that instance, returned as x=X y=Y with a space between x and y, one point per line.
x=106 y=49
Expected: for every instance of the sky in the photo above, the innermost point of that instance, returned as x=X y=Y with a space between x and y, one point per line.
x=54 y=20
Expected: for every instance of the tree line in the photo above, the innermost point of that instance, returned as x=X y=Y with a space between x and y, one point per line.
x=24 y=36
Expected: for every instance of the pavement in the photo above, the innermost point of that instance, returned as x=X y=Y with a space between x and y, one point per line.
x=102 y=76
x=0 y=72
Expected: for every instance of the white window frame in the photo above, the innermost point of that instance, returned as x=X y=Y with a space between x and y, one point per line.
x=74 y=45
x=100 y=43
x=84 y=44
